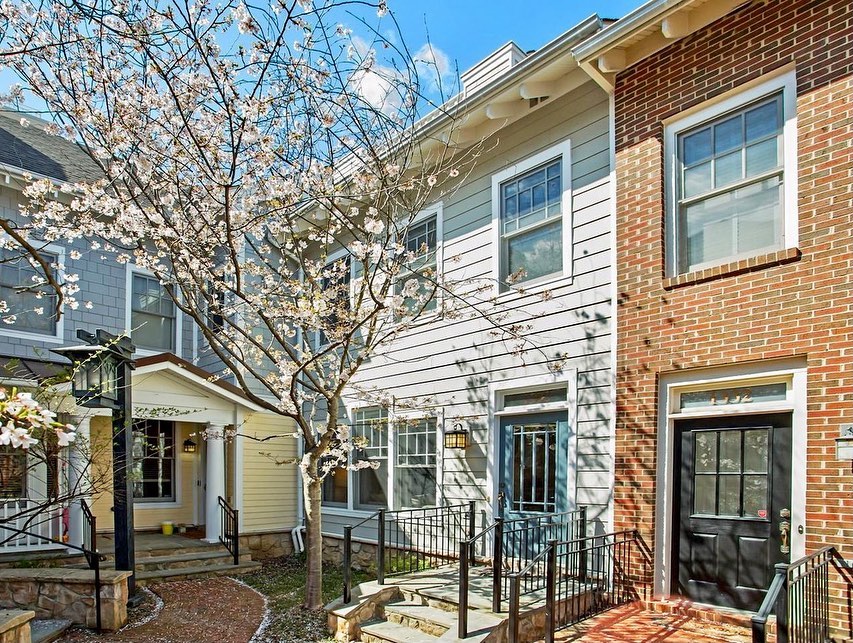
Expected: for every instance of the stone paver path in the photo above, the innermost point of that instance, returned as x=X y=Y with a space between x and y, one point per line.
x=213 y=610
x=633 y=624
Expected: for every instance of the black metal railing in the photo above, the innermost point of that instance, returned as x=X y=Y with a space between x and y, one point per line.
x=88 y=548
x=799 y=595
x=411 y=540
x=514 y=544
x=229 y=529
x=580 y=578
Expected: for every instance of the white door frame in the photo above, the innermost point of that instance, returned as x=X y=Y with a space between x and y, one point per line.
x=790 y=371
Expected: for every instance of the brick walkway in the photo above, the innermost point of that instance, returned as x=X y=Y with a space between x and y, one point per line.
x=634 y=624
x=212 y=610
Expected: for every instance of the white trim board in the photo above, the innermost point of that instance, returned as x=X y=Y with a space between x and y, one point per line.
x=671 y=384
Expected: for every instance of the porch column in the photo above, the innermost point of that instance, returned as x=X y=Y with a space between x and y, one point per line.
x=215 y=480
x=79 y=454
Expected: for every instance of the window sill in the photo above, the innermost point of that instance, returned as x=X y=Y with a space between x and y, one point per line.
x=750 y=264
x=518 y=291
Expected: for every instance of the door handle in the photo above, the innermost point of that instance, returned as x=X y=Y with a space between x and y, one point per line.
x=785 y=531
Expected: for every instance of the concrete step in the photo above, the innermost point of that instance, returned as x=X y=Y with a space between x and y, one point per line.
x=420 y=617
x=199 y=571
x=385 y=631
x=190 y=559
x=48 y=630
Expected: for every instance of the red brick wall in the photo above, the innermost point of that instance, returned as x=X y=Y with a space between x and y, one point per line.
x=786 y=304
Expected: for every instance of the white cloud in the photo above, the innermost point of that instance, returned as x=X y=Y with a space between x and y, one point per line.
x=435 y=70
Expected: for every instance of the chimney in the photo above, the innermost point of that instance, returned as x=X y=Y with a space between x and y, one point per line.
x=491 y=67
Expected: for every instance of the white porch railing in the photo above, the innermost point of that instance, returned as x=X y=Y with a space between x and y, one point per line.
x=47 y=523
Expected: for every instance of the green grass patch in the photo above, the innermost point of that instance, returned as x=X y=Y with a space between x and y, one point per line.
x=283 y=582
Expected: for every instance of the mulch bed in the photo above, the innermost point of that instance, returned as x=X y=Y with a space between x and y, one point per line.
x=211 y=610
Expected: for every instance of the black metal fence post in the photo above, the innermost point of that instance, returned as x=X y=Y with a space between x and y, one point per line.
x=582 y=554
x=380 y=549
x=472 y=528
x=550 y=591
x=497 y=564
x=462 y=622
x=97 y=565
x=347 y=563
x=782 y=606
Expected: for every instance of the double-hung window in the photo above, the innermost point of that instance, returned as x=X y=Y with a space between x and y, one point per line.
x=30 y=304
x=531 y=208
x=415 y=482
x=421 y=241
x=154 y=460
x=337 y=288
x=733 y=178
x=152 y=314
x=370 y=431
x=13 y=472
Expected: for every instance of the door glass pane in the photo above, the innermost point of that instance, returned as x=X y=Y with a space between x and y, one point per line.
x=534 y=464
x=755 y=451
x=706 y=452
x=705 y=495
x=730 y=452
x=755 y=496
x=729 y=495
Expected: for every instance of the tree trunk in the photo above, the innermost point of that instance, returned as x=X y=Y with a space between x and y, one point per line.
x=313 y=493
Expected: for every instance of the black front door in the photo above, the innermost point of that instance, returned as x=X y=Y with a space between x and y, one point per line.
x=733 y=521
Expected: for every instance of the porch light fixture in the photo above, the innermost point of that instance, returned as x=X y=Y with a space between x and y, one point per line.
x=96 y=363
x=844 y=443
x=189 y=446
x=457 y=438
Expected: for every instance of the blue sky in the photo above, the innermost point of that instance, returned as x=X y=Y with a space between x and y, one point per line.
x=468 y=31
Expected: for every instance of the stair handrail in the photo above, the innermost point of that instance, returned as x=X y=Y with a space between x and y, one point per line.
x=229 y=528
x=515 y=588
x=92 y=556
x=779 y=592
x=466 y=559
x=347 y=555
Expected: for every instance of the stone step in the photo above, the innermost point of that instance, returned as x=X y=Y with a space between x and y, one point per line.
x=191 y=559
x=200 y=571
x=420 y=617
x=177 y=550
x=385 y=631
x=48 y=630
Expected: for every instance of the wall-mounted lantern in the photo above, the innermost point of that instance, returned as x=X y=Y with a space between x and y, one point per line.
x=457 y=438
x=844 y=443
x=190 y=446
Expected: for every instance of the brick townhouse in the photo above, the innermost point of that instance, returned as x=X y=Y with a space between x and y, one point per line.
x=734 y=170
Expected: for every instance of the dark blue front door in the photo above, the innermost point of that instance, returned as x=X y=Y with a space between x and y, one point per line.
x=534 y=454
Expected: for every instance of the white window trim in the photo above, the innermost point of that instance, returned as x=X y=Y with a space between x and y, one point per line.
x=133 y=269
x=497 y=390
x=784 y=80
x=338 y=509
x=562 y=151
x=58 y=336
x=178 y=478
x=436 y=209
x=794 y=373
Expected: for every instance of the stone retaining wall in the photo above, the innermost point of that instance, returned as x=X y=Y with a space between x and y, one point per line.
x=267 y=545
x=66 y=594
x=363 y=554
x=15 y=626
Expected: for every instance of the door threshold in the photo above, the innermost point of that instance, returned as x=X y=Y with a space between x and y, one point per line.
x=674 y=604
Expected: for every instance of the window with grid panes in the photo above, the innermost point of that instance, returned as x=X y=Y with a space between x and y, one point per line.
x=730 y=174
x=152 y=315
x=27 y=297
x=153 y=460
x=531 y=223
x=415 y=465
x=370 y=430
x=421 y=241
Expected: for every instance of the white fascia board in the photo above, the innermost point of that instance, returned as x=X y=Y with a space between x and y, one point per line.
x=625 y=27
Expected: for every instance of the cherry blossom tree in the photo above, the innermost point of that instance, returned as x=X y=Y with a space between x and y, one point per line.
x=266 y=163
